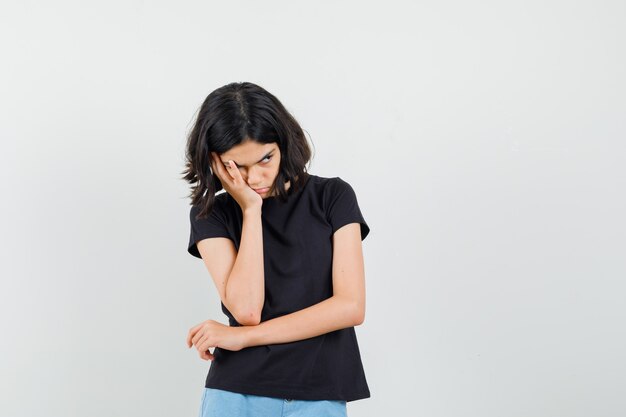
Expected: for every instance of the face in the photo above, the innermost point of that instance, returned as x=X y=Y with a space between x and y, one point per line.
x=258 y=163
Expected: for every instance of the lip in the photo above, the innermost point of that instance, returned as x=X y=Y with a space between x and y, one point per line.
x=261 y=190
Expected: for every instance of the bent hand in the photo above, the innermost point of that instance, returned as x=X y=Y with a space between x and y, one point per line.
x=233 y=183
x=211 y=333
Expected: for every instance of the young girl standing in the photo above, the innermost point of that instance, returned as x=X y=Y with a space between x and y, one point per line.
x=283 y=248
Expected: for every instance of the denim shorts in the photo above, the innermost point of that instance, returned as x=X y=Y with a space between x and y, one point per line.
x=221 y=403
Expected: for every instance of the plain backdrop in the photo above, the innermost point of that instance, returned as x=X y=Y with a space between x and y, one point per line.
x=484 y=140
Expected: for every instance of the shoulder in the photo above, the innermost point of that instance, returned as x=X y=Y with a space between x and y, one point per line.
x=334 y=193
x=338 y=192
x=340 y=203
x=328 y=187
x=220 y=206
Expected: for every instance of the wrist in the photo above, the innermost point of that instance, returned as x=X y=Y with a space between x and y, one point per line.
x=247 y=335
x=253 y=210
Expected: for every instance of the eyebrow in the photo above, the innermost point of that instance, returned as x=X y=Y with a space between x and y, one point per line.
x=264 y=156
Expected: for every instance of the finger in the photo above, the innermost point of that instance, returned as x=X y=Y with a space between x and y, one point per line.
x=234 y=171
x=192 y=333
x=215 y=166
x=203 y=343
x=189 y=336
x=218 y=166
x=197 y=337
x=231 y=169
x=195 y=328
x=207 y=355
x=212 y=163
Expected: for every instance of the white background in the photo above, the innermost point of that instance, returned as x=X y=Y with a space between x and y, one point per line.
x=485 y=141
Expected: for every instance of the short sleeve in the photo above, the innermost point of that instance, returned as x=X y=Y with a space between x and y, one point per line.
x=213 y=226
x=343 y=207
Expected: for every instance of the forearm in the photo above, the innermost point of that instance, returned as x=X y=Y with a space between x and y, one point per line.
x=332 y=314
x=245 y=287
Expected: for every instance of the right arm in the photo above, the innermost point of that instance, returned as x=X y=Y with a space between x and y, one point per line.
x=239 y=276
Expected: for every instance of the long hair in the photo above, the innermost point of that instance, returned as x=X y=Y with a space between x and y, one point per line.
x=230 y=115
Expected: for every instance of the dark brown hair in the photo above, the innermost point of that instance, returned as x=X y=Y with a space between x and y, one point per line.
x=230 y=115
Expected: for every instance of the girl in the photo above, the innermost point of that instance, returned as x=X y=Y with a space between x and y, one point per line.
x=284 y=250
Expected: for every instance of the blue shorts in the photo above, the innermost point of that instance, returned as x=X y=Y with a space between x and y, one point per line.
x=221 y=403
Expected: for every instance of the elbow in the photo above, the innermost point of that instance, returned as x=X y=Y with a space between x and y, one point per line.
x=353 y=311
x=359 y=319
x=245 y=315
x=358 y=314
x=248 y=318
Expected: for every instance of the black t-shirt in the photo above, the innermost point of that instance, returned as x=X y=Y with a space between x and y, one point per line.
x=297 y=254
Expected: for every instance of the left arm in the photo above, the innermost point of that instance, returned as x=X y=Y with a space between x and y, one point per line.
x=346 y=307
